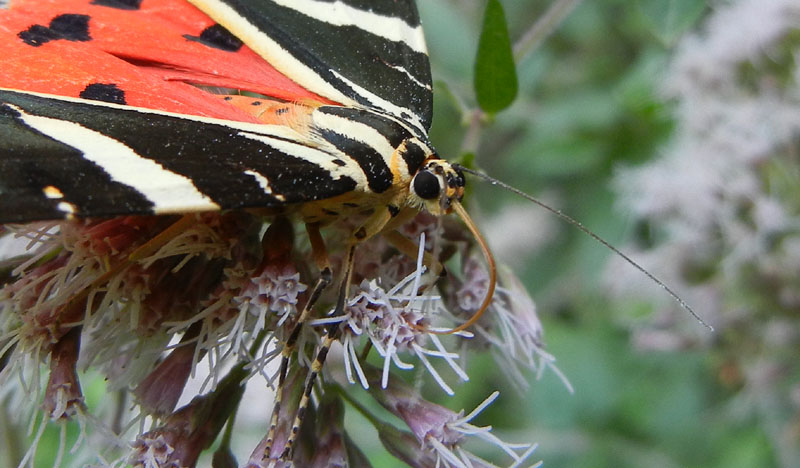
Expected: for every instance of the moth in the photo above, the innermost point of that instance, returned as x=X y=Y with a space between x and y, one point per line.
x=118 y=118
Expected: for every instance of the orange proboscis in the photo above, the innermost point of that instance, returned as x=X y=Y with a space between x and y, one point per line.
x=462 y=213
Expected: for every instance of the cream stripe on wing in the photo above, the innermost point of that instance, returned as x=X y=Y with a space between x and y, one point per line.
x=270 y=50
x=278 y=131
x=263 y=182
x=357 y=131
x=323 y=159
x=340 y=14
x=169 y=192
x=286 y=63
x=408 y=116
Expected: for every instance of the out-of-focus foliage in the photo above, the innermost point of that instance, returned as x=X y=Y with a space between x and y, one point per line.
x=495 y=74
x=591 y=101
x=721 y=209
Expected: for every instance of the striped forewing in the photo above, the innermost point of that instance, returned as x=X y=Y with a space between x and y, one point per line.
x=65 y=156
x=357 y=52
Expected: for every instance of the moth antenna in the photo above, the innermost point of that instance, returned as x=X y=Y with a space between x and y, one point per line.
x=462 y=213
x=591 y=234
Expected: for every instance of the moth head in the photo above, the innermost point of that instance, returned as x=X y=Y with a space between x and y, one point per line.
x=437 y=185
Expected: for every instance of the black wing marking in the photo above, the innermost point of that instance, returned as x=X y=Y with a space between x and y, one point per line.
x=356 y=52
x=63 y=156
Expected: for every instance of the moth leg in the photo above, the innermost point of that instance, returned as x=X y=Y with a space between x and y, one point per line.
x=407 y=247
x=376 y=223
x=331 y=335
x=159 y=240
x=411 y=249
x=320 y=255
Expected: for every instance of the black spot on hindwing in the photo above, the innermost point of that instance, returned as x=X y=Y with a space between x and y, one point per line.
x=217 y=37
x=119 y=4
x=37 y=35
x=106 y=92
x=70 y=27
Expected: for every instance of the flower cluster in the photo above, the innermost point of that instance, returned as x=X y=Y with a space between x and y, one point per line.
x=722 y=204
x=145 y=300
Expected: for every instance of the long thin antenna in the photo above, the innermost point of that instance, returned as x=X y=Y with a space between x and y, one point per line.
x=591 y=234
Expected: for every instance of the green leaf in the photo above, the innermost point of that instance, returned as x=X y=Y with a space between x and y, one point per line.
x=495 y=75
x=467 y=160
x=668 y=20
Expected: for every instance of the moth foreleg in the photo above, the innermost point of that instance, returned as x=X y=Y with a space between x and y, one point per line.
x=411 y=249
x=320 y=254
x=377 y=223
x=331 y=334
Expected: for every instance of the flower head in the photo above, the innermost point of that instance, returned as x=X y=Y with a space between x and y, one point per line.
x=150 y=309
x=185 y=433
x=442 y=432
x=394 y=321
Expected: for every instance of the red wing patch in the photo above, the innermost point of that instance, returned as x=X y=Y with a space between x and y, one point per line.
x=140 y=53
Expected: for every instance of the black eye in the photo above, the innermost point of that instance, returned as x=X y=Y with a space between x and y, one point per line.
x=426 y=185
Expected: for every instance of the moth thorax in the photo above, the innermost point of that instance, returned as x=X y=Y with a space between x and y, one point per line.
x=436 y=186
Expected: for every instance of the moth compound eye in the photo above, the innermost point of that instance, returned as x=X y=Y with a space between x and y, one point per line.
x=426 y=185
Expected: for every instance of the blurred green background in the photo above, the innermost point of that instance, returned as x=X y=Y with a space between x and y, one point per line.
x=589 y=102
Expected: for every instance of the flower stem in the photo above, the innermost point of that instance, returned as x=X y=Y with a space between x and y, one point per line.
x=357 y=405
x=542 y=28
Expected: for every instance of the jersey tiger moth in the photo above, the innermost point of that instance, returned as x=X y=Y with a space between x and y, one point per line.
x=111 y=110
